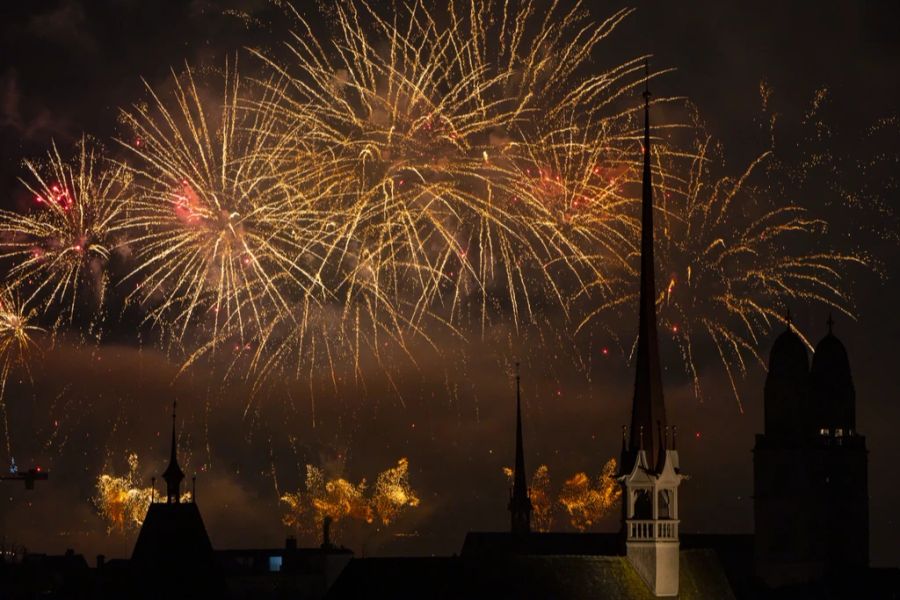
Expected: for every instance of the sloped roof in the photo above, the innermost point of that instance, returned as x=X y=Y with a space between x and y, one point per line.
x=560 y=577
x=173 y=536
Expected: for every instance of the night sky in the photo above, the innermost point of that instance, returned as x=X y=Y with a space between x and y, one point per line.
x=67 y=66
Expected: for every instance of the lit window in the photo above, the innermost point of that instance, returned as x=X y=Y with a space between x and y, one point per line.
x=274 y=563
x=838 y=432
x=823 y=431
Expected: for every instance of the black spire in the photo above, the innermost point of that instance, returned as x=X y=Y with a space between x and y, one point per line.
x=173 y=473
x=519 y=502
x=648 y=408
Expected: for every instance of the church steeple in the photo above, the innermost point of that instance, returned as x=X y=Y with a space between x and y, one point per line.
x=648 y=411
x=519 y=503
x=173 y=473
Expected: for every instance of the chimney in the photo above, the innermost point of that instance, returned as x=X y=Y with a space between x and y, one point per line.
x=101 y=560
x=326 y=533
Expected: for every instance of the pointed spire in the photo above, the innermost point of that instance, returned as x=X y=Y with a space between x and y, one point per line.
x=830 y=322
x=173 y=473
x=648 y=407
x=788 y=318
x=519 y=502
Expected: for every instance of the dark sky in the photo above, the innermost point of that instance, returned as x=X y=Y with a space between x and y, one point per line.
x=65 y=68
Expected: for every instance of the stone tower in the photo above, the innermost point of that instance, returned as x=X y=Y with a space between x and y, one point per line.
x=810 y=480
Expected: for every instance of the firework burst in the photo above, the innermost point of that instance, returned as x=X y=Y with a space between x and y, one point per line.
x=431 y=128
x=60 y=249
x=217 y=234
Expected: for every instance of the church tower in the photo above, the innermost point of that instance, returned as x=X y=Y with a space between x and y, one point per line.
x=648 y=470
x=810 y=496
x=519 y=502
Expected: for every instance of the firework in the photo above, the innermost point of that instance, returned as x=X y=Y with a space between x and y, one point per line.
x=540 y=496
x=121 y=501
x=343 y=500
x=431 y=127
x=16 y=346
x=587 y=502
x=61 y=247
x=217 y=235
x=392 y=493
x=735 y=254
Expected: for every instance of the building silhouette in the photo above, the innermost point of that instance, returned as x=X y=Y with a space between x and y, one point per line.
x=809 y=467
x=173 y=548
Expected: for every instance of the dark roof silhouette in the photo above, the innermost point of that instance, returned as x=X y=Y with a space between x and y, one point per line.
x=518 y=576
x=173 y=535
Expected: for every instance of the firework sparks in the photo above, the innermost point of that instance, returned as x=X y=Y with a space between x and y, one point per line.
x=431 y=127
x=343 y=500
x=121 y=501
x=16 y=346
x=61 y=248
x=587 y=502
x=217 y=235
x=393 y=494
x=584 y=502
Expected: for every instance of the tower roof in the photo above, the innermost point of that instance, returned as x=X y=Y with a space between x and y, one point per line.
x=173 y=473
x=648 y=410
x=833 y=392
x=788 y=357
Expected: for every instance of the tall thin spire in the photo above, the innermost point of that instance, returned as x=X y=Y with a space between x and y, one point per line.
x=648 y=409
x=173 y=473
x=519 y=502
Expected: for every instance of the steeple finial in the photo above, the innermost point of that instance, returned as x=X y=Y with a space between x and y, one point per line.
x=830 y=322
x=173 y=473
x=647 y=93
x=519 y=502
x=648 y=407
x=788 y=318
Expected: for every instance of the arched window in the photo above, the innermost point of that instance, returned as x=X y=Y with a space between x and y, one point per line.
x=664 y=504
x=643 y=509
